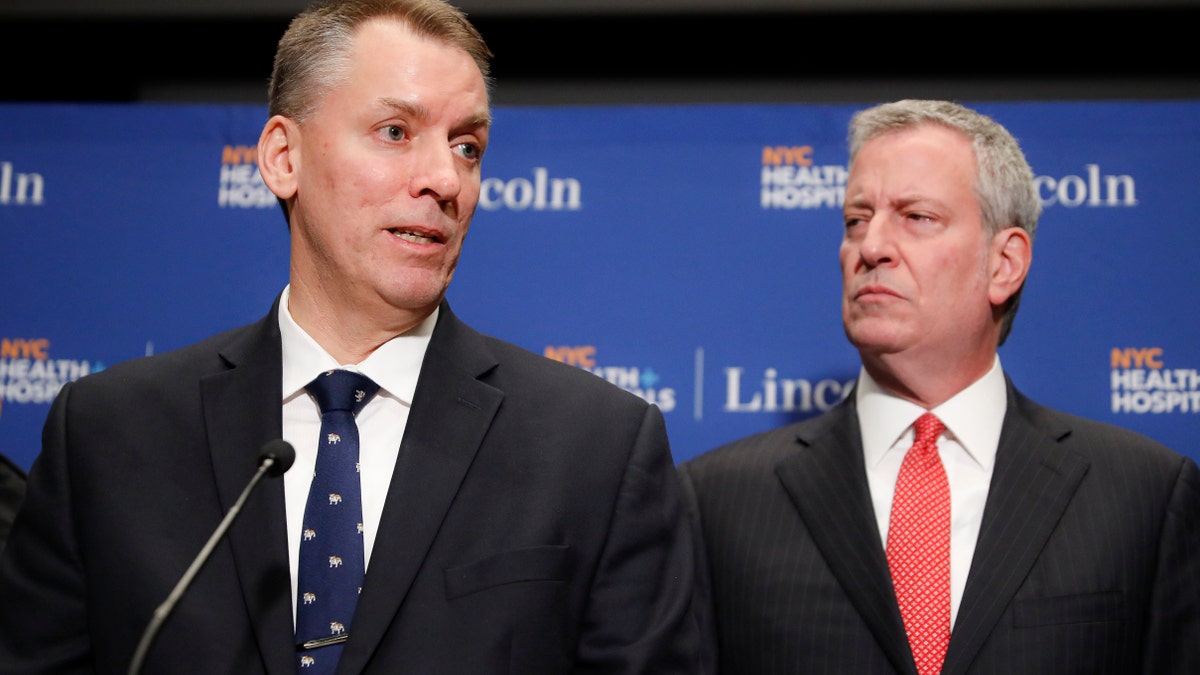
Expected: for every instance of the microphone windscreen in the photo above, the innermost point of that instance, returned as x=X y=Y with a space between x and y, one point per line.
x=282 y=452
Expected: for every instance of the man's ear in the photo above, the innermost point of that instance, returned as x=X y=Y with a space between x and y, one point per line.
x=279 y=155
x=1009 y=258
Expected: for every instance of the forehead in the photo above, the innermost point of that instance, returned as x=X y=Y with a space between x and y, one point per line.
x=924 y=156
x=397 y=40
x=389 y=65
x=925 y=141
x=392 y=41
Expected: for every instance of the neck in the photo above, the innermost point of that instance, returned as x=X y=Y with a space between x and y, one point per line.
x=348 y=331
x=926 y=383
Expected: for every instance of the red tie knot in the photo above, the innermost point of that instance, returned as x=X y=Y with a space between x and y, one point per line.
x=928 y=427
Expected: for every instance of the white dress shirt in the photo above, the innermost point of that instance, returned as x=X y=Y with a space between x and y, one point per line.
x=973 y=418
x=394 y=366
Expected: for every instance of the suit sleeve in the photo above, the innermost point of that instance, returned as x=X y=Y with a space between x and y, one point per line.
x=43 y=614
x=639 y=613
x=702 y=601
x=12 y=493
x=1173 y=625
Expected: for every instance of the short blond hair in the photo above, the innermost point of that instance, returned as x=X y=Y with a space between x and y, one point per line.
x=313 y=53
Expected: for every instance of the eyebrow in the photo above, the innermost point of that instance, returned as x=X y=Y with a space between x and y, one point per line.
x=420 y=111
x=901 y=202
x=906 y=201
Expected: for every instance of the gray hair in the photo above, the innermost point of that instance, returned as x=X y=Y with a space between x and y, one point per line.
x=1003 y=178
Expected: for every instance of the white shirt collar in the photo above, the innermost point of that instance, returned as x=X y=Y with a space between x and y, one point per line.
x=973 y=417
x=394 y=366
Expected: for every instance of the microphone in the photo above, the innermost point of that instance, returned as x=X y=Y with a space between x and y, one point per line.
x=274 y=459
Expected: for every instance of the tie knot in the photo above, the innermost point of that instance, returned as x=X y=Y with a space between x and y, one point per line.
x=928 y=428
x=342 y=390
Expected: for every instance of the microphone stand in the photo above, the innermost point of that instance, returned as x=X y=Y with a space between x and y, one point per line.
x=273 y=453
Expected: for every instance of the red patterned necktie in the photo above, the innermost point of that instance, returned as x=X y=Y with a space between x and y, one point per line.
x=918 y=547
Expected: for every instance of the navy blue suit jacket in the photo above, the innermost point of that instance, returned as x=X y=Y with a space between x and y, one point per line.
x=534 y=522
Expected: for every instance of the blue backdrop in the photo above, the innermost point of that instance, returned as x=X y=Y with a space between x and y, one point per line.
x=688 y=253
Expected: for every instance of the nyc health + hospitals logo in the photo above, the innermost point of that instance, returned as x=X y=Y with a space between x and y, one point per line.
x=1143 y=383
x=640 y=380
x=792 y=179
x=28 y=373
x=240 y=185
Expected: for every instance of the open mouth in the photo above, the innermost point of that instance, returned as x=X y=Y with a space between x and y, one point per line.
x=416 y=237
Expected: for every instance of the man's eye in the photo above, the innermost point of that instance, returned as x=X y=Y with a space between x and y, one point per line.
x=394 y=133
x=469 y=150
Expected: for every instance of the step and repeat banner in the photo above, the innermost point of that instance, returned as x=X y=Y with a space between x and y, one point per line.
x=685 y=253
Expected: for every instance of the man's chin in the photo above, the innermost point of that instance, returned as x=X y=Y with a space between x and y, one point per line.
x=876 y=336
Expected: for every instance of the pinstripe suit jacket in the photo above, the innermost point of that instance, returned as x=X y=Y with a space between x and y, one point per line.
x=1088 y=560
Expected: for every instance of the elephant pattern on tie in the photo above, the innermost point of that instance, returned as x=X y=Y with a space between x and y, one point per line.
x=332 y=564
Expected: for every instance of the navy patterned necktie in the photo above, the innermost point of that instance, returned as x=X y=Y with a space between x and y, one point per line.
x=332 y=563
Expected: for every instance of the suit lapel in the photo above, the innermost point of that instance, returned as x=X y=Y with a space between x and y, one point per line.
x=242 y=411
x=451 y=412
x=1033 y=482
x=828 y=484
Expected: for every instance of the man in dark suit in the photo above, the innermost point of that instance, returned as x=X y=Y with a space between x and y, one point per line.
x=12 y=493
x=519 y=515
x=1068 y=545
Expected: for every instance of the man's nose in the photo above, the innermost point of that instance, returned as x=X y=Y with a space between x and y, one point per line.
x=435 y=172
x=877 y=246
